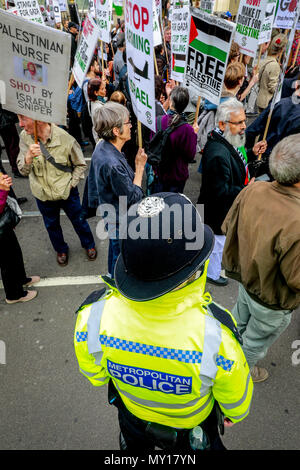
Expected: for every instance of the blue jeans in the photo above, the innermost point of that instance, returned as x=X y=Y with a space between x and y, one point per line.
x=50 y=211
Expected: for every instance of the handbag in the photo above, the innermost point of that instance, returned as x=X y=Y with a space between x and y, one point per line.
x=11 y=216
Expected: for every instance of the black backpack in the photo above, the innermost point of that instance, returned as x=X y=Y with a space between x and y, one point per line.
x=157 y=149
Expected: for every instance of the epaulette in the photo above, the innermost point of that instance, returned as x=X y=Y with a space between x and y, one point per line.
x=98 y=294
x=93 y=297
x=224 y=317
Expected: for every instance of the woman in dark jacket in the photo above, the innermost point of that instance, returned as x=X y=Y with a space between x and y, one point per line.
x=110 y=176
x=11 y=259
x=181 y=145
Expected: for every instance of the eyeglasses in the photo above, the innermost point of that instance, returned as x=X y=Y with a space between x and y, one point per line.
x=128 y=122
x=239 y=123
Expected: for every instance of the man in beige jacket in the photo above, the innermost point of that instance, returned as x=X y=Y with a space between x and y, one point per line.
x=269 y=72
x=55 y=165
x=262 y=252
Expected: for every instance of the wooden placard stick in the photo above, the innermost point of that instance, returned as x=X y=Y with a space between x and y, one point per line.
x=35 y=132
x=140 y=139
x=102 y=58
x=259 y=57
x=197 y=110
x=266 y=130
x=71 y=81
x=155 y=64
x=241 y=57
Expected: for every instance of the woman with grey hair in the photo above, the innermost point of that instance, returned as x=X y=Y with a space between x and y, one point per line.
x=110 y=175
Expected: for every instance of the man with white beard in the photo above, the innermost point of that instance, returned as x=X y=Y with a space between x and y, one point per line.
x=225 y=173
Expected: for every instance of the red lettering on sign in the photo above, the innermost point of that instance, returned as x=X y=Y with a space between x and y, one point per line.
x=137 y=16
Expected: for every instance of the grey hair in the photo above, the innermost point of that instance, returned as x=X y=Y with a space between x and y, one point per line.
x=232 y=105
x=107 y=117
x=284 y=161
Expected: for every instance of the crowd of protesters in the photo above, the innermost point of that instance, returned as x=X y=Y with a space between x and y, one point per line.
x=100 y=114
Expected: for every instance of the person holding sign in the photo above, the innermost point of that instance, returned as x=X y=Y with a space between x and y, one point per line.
x=110 y=175
x=55 y=165
x=225 y=173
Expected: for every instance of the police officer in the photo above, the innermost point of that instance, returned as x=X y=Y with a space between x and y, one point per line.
x=170 y=356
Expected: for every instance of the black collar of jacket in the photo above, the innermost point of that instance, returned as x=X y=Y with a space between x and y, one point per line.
x=215 y=136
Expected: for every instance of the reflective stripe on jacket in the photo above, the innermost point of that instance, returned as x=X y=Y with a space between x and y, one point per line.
x=169 y=358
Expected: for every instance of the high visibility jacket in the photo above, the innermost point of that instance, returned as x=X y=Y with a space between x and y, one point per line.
x=169 y=358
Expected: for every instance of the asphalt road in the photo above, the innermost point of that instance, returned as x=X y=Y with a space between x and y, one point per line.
x=45 y=403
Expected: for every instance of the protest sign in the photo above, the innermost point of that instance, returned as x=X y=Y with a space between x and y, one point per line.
x=50 y=12
x=157 y=39
x=85 y=50
x=30 y=10
x=158 y=9
x=249 y=23
x=33 y=55
x=179 y=38
x=92 y=8
x=207 y=56
x=277 y=94
x=139 y=51
x=285 y=14
x=103 y=9
x=118 y=7
x=63 y=5
x=56 y=10
x=14 y=11
x=266 y=30
x=207 y=5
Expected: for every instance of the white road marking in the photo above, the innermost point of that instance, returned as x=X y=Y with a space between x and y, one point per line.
x=65 y=281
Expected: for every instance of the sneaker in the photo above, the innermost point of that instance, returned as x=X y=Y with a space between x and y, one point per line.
x=31 y=294
x=222 y=281
x=33 y=280
x=259 y=374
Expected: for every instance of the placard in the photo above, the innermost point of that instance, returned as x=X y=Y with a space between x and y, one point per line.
x=285 y=14
x=30 y=10
x=207 y=56
x=266 y=29
x=33 y=55
x=249 y=22
x=139 y=51
x=85 y=50
x=103 y=15
x=180 y=19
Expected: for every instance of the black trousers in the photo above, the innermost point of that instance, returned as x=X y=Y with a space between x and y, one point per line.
x=12 y=266
x=11 y=141
x=133 y=430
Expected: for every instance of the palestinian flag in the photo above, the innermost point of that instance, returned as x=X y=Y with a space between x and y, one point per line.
x=118 y=6
x=178 y=62
x=209 y=39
